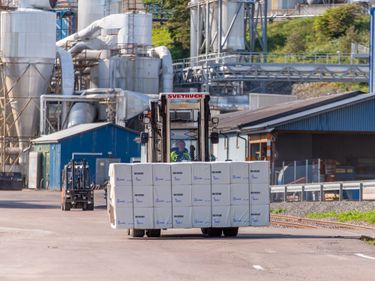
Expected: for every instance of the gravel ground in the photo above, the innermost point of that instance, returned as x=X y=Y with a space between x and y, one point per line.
x=304 y=208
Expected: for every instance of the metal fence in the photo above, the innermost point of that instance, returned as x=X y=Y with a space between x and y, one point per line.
x=330 y=191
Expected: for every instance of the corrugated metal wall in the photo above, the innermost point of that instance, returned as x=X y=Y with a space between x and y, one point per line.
x=353 y=118
x=111 y=141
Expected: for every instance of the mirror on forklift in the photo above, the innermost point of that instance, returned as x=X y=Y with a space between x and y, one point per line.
x=214 y=138
x=144 y=137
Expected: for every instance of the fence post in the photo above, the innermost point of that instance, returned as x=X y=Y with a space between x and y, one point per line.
x=295 y=171
x=307 y=171
x=321 y=193
x=303 y=193
x=360 y=192
x=283 y=179
x=285 y=193
x=341 y=191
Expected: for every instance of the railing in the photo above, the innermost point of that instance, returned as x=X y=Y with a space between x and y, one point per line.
x=328 y=191
x=282 y=58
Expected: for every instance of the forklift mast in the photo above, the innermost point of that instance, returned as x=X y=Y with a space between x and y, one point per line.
x=178 y=122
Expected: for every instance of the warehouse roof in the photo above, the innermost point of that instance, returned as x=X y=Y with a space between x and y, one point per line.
x=76 y=130
x=244 y=119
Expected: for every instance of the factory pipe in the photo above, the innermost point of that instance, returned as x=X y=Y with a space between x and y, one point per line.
x=167 y=67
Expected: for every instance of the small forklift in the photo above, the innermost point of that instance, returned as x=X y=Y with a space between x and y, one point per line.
x=76 y=190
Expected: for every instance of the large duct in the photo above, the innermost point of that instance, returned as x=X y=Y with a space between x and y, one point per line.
x=28 y=52
x=93 y=10
x=166 y=68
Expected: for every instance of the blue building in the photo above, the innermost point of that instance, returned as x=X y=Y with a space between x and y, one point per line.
x=98 y=143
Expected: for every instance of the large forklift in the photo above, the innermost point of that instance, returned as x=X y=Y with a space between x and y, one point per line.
x=76 y=190
x=179 y=127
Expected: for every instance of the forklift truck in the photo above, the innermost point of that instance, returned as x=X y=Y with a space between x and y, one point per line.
x=76 y=191
x=174 y=118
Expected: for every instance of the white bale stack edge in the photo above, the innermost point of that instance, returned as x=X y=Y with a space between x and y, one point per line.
x=189 y=195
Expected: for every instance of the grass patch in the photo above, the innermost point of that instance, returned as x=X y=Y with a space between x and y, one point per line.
x=354 y=215
x=278 y=211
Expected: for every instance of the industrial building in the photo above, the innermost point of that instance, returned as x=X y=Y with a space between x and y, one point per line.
x=315 y=140
x=99 y=143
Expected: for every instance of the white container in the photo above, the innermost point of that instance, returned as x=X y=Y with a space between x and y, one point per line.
x=143 y=218
x=260 y=215
x=240 y=216
x=239 y=194
x=220 y=195
x=143 y=196
x=201 y=216
x=181 y=196
x=122 y=196
x=259 y=194
x=201 y=173
x=220 y=173
x=142 y=174
x=259 y=172
x=120 y=174
x=161 y=174
x=162 y=218
x=181 y=173
x=221 y=216
x=123 y=218
x=162 y=196
x=239 y=172
x=182 y=217
x=201 y=195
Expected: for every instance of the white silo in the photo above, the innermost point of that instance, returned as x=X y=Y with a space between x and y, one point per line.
x=28 y=52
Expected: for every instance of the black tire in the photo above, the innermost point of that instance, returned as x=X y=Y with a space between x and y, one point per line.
x=90 y=207
x=230 y=231
x=84 y=207
x=67 y=206
x=153 y=232
x=214 y=232
x=204 y=231
x=137 y=233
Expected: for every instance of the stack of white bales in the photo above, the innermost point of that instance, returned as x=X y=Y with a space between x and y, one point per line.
x=189 y=195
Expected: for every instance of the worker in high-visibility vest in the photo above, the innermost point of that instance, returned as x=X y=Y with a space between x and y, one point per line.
x=180 y=153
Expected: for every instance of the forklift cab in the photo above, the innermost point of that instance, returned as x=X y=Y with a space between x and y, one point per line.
x=178 y=128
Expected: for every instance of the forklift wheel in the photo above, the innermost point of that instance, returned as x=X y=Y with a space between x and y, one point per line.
x=153 y=232
x=84 y=207
x=214 y=232
x=65 y=206
x=90 y=207
x=138 y=233
x=230 y=231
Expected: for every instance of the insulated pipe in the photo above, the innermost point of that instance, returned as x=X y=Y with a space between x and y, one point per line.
x=110 y=22
x=167 y=67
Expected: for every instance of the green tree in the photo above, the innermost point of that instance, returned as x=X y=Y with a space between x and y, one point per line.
x=179 y=27
x=336 y=21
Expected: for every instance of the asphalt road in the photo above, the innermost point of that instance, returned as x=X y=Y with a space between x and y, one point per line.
x=40 y=242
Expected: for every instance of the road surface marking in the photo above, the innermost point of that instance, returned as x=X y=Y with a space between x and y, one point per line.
x=258 y=267
x=365 y=257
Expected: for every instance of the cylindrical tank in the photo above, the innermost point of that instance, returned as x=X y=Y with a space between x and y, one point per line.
x=92 y=10
x=236 y=38
x=28 y=52
x=137 y=29
x=81 y=113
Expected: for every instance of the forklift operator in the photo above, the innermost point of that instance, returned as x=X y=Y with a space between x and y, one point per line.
x=180 y=153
